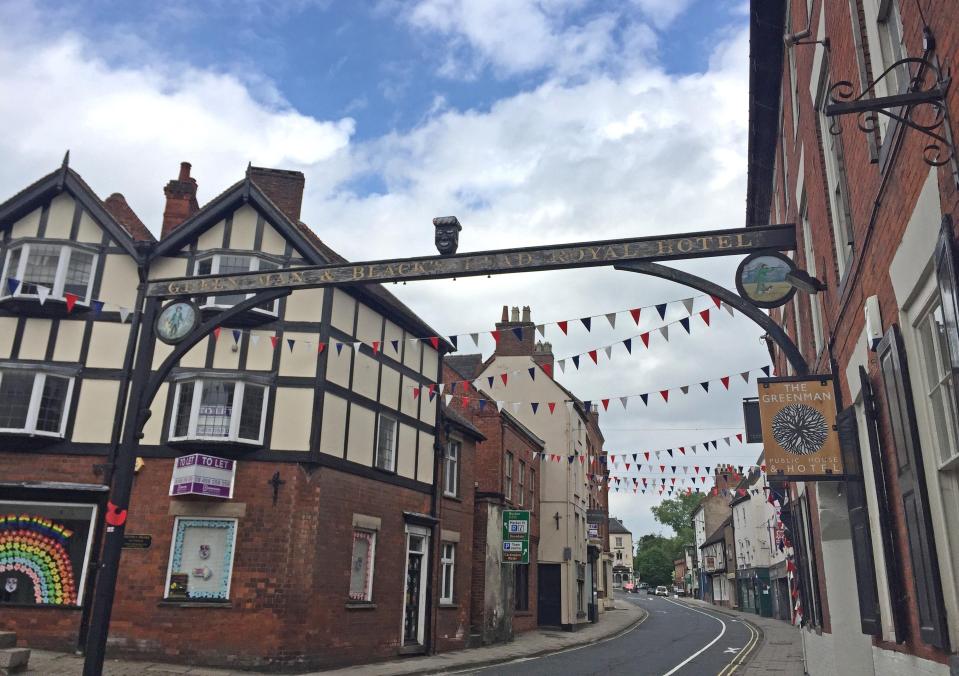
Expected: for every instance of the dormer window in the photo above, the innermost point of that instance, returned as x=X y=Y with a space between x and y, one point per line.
x=34 y=401
x=218 y=409
x=58 y=268
x=231 y=263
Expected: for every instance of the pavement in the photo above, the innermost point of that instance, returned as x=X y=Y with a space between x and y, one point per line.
x=613 y=623
x=779 y=650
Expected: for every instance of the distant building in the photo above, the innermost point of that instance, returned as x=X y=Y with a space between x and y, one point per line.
x=621 y=552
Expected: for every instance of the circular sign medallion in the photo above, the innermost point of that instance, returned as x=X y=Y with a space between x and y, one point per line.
x=761 y=279
x=176 y=320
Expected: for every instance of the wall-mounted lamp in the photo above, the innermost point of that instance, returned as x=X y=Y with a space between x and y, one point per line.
x=805 y=282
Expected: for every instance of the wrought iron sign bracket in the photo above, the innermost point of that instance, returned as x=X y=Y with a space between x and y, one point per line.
x=940 y=149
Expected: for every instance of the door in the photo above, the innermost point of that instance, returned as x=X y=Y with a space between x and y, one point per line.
x=549 y=595
x=415 y=589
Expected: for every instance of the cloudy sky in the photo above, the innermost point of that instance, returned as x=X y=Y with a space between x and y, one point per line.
x=533 y=121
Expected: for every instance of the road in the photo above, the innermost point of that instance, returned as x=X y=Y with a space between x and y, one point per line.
x=674 y=640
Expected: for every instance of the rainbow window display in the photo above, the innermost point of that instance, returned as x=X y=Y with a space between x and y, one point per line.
x=39 y=557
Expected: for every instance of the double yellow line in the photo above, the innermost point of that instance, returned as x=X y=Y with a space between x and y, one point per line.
x=743 y=654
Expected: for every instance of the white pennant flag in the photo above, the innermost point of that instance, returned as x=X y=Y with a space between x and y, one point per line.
x=442 y=387
x=665 y=331
x=623 y=400
x=254 y=338
x=515 y=406
x=688 y=304
x=356 y=345
x=499 y=406
x=694 y=448
x=541 y=330
x=562 y=365
x=609 y=351
x=475 y=338
x=477 y=383
x=124 y=313
x=569 y=406
x=611 y=318
x=449 y=398
x=726 y=439
x=729 y=308
x=657 y=454
x=43 y=293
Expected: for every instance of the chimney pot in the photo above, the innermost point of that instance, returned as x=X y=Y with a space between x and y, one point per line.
x=526 y=314
x=505 y=317
x=181 y=200
x=514 y=314
x=185 y=171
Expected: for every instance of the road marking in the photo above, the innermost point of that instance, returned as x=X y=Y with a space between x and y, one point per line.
x=705 y=647
x=732 y=650
x=474 y=670
x=744 y=654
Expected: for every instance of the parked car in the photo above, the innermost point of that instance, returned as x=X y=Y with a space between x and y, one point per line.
x=644 y=585
x=650 y=590
x=662 y=591
x=629 y=587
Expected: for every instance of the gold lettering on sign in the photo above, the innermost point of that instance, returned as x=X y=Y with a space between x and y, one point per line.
x=703 y=243
x=594 y=252
x=611 y=253
x=723 y=241
x=665 y=247
x=358 y=272
x=524 y=259
x=741 y=240
x=684 y=246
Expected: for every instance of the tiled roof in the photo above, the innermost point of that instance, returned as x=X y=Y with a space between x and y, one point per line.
x=616 y=526
x=117 y=205
x=467 y=365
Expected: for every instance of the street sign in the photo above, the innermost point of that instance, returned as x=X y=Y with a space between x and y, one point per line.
x=515 y=536
x=799 y=428
x=137 y=541
x=555 y=257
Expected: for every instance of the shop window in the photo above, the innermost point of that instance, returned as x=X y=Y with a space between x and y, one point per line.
x=386 y=444
x=452 y=473
x=229 y=264
x=361 y=566
x=218 y=410
x=201 y=560
x=34 y=402
x=521 y=573
x=447 y=568
x=44 y=552
x=58 y=268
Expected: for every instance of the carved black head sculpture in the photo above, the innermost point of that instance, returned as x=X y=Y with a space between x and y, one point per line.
x=447 y=234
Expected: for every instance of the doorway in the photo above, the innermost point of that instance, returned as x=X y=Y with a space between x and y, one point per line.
x=414 y=599
x=549 y=595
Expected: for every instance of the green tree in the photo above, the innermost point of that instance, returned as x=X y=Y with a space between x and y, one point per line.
x=677 y=513
x=654 y=559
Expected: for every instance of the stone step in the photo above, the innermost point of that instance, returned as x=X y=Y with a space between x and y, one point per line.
x=14 y=659
x=8 y=639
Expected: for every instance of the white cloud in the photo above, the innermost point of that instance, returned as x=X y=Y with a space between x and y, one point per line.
x=623 y=153
x=663 y=12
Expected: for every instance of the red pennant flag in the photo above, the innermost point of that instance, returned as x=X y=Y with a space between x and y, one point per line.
x=740 y=437
x=682 y=449
x=495 y=335
x=635 y=312
x=662 y=468
x=416 y=391
x=705 y=315
x=552 y=406
x=646 y=453
x=605 y=404
x=376 y=346
x=548 y=368
x=562 y=327
x=465 y=401
x=435 y=342
x=432 y=387
x=717 y=301
x=216 y=333
x=505 y=377
x=725 y=381
x=320 y=348
x=665 y=395
x=592 y=355
x=645 y=338
x=582 y=460
x=627 y=466
x=762 y=468
x=71 y=299
x=696 y=468
x=674 y=481
x=274 y=340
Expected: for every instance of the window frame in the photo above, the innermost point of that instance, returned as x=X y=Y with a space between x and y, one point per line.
x=532 y=489
x=232 y=558
x=60 y=276
x=521 y=483
x=376 y=448
x=451 y=472
x=256 y=258
x=239 y=393
x=370 y=565
x=508 y=476
x=809 y=257
x=36 y=397
x=447 y=572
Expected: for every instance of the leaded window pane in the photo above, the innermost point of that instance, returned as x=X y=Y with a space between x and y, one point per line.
x=216 y=409
x=386 y=443
x=15 y=391
x=79 y=269
x=251 y=412
x=229 y=265
x=182 y=426
x=41 y=268
x=52 y=403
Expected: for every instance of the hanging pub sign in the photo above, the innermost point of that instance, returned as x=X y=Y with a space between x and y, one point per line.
x=762 y=279
x=799 y=428
x=206 y=475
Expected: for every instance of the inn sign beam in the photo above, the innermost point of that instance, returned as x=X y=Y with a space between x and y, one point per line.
x=503 y=261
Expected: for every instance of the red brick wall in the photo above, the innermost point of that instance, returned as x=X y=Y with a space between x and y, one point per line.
x=879 y=210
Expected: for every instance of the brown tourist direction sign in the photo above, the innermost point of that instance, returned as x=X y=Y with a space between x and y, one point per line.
x=589 y=254
x=799 y=428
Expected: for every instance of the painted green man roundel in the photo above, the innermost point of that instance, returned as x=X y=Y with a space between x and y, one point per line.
x=761 y=279
x=176 y=320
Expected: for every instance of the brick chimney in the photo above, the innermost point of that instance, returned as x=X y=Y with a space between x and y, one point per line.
x=543 y=354
x=509 y=345
x=283 y=187
x=180 y=200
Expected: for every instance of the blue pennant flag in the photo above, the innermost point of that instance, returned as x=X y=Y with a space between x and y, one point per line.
x=453 y=339
x=518 y=332
x=490 y=380
x=482 y=404
x=453 y=386
x=661 y=309
x=236 y=335
x=290 y=341
x=339 y=347
x=396 y=345
x=670 y=451
x=766 y=370
x=12 y=284
x=588 y=404
x=97 y=306
x=629 y=345
x=570 y=459
x=576 y=361
x=587 y=322
x=532 y=373
x=705 y=385
x=685 y=322
x=432 y=395
x=645 y=398
x=534 y=405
